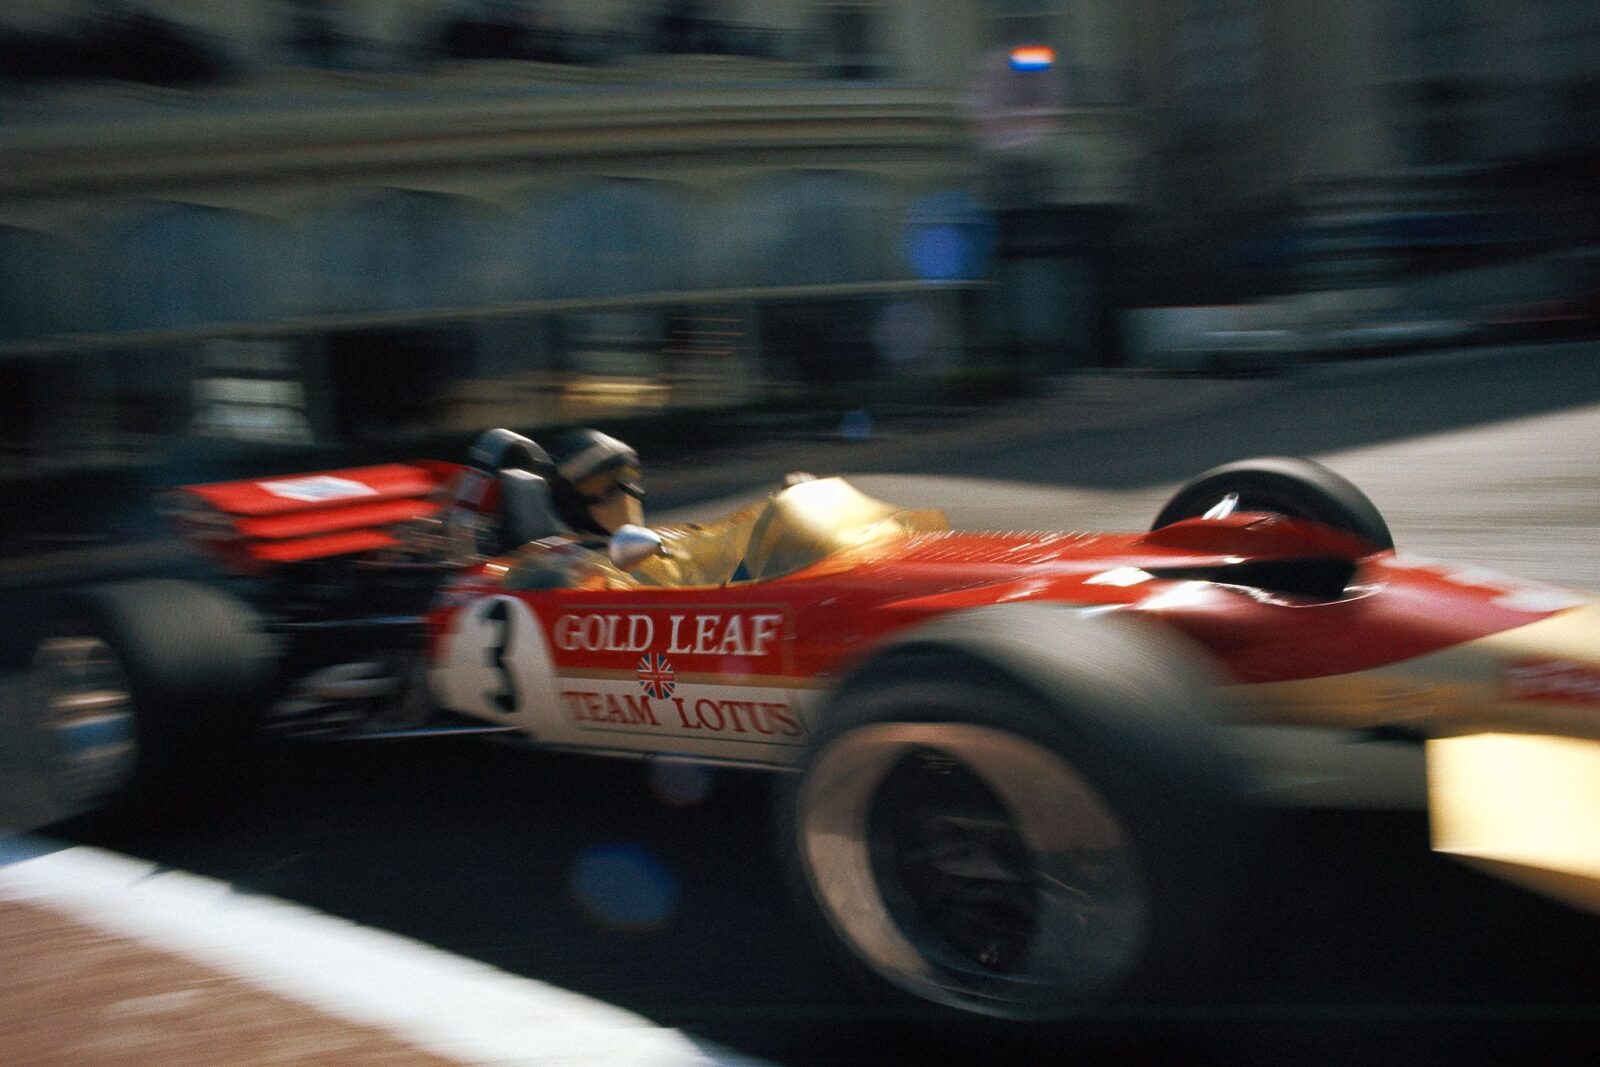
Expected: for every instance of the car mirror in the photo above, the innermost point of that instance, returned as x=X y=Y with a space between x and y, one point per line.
x=632 y=545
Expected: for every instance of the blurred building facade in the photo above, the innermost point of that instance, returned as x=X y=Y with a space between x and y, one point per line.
x=1311 y=145
x=304 y=220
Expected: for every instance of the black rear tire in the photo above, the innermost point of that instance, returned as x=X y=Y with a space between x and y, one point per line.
x=146 y=695
x=1284 y=485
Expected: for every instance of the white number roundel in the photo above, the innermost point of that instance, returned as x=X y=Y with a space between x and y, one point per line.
x=497 y=664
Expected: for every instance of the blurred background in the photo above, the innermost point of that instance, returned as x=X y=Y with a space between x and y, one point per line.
x=302 y=223
x=267 y=235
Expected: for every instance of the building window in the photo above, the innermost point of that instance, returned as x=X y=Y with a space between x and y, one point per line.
x=612 y=238
x=397 y=251
x=1218 y=64
x=185 y=266
x=1438 y=36
x=685 y=27
x=850 y=40
x=1022 y=22
x=36 y=283
x=1571 y=31
x=313 y=35
x=816 y=228
x=706 y=28
x=250 y=391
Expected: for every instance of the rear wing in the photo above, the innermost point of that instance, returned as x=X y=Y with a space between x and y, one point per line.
x=256 y=524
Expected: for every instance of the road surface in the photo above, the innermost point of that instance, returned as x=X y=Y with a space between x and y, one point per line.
x=1365 y=949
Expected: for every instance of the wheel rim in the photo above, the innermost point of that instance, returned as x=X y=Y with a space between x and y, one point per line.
x=87 y=718
x=972 y=867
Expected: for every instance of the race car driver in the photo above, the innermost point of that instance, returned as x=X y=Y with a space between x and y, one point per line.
x=597 y=491
x=597 y=484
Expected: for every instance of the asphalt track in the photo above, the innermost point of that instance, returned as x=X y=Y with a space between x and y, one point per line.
x=1361 y=947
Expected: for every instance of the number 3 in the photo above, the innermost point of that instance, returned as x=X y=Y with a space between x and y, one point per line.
x=505 y=698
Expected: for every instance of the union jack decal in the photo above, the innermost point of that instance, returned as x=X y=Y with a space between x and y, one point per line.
x=656 y=677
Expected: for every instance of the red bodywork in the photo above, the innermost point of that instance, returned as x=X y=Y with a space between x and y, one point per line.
x=840 y=609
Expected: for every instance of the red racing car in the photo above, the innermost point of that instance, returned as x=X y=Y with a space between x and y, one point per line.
x=1015 y=773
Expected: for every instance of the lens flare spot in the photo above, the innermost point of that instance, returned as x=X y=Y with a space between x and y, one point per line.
x=942 y=253
x=623 y=887
x=856 y=426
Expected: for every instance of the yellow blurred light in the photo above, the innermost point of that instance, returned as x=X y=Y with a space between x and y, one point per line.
x=1523 y=807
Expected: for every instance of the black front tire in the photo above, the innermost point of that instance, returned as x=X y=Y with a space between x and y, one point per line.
x=987 y=845
x=1284 y=485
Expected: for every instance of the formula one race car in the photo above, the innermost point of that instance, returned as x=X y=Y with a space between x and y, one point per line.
x=1014 y=783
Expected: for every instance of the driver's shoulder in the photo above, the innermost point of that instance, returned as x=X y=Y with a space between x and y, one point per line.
x=563 y=561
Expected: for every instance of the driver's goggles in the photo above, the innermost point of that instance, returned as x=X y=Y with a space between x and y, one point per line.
x=627 y=481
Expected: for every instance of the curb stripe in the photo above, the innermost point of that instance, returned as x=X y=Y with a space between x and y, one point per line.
x=445 y=1004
